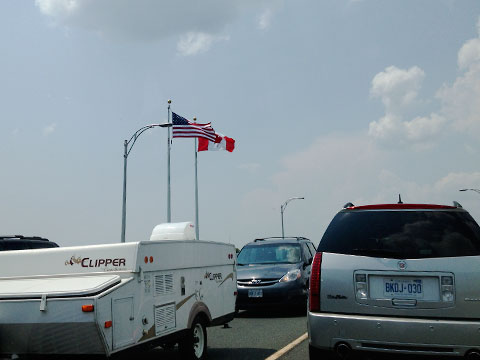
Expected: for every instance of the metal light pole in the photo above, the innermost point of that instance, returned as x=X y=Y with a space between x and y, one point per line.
x=126 y=152
x=476 y=190
x=282 y=209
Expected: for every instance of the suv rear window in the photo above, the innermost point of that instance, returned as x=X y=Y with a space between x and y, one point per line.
x=402 y=234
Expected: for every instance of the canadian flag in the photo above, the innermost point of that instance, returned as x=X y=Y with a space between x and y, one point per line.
x=221 y=142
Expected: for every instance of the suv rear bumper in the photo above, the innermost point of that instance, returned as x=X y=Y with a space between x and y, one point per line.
x=393 y=335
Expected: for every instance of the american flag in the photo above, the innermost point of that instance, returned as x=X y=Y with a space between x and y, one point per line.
x=183 y=128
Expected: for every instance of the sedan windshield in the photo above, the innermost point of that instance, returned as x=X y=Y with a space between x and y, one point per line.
x=269 y=254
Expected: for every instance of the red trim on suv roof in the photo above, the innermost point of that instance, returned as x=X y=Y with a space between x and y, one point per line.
x=400 y=206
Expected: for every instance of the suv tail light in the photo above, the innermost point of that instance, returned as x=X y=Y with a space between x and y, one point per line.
x=361 y=288
x=448 y=289
x=314 y=292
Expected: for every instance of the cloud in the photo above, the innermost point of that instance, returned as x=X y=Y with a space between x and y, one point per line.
x=143 y=20
x=329 y=164
x=250 y=167
x=326 y=173
x=353 y=168
x=423 y=128
x=197 y=24
x=386 y=127
x=265 y=19
x=195 y=43
x=57 y=8
x=459 y=106
x=457 y=181
x=397 y=87
x=460 y=100
x=420 y=132
x=47 y=130
x=337 y=169
x=470 y=52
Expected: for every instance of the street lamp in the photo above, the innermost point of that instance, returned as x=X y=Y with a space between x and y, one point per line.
x=476 y=190
x=127 y=150
x=282 y=210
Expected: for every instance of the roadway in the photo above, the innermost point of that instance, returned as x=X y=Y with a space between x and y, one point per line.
x=260 y=335
x=250 y=336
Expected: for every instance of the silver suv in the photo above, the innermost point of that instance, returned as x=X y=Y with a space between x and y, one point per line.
x=397 y=278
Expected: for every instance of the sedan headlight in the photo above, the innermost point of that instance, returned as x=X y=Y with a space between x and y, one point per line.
x=291 y=275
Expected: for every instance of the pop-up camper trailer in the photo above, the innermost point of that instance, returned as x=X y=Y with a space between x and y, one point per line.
x=102 y=299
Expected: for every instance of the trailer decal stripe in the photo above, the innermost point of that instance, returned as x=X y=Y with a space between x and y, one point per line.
x=149 y=334
x=181 y=303
x=229 y=276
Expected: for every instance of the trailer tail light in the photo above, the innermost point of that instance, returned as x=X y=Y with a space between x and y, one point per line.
x=87 y=308
x=314 y=292
x=108 y=324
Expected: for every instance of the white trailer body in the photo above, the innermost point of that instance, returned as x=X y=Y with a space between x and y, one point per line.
x=102 y=299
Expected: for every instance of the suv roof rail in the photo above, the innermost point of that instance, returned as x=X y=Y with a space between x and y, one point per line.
x=457 y=204
x=347 y=205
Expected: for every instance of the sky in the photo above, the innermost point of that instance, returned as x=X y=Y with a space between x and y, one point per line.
x=335 y=101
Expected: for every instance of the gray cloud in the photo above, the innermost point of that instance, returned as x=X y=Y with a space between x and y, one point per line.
x=398 y=89
x=148 y=20
x=197 y=24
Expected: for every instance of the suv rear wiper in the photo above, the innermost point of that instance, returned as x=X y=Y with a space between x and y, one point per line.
x=377 y=252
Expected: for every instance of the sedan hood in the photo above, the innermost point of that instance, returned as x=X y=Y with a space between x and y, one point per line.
x=264 y=271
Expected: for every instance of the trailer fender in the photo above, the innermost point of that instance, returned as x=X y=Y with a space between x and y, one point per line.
x=199 y=308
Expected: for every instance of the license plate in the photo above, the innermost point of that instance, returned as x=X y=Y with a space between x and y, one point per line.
x=255 y=293
x=412 y=288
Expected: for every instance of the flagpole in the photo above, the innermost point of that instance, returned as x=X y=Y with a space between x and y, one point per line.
x=197 y=229
x=169 y=145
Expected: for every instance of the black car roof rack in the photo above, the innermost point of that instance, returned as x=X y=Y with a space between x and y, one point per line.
x=6 y=237
x=298 y=238
x=347 y=205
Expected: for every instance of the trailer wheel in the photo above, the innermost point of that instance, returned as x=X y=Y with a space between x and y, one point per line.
x=194 y=345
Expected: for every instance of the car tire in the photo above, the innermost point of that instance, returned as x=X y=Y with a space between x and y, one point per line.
x=194 y=345
x=320 y=354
